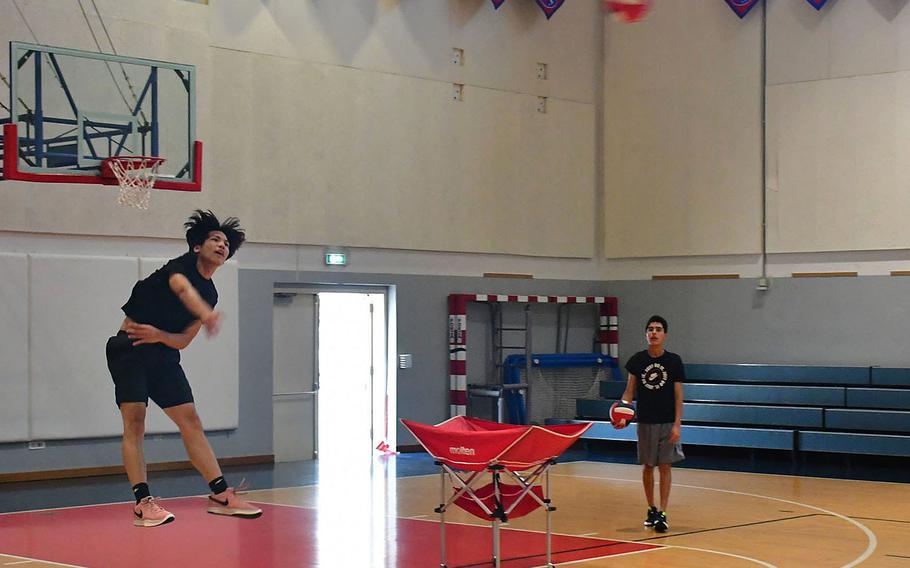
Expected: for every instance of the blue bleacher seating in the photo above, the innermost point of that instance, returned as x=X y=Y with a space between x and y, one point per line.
x=753 y=415
x=787 y=407
x=766 y=394
x=853 y=443
x=861 y=419
x=890 y=376
x=897 y=399
x=803 y=374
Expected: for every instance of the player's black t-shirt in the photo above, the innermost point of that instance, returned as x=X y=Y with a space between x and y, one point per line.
x=657 y=378
x=153 y=302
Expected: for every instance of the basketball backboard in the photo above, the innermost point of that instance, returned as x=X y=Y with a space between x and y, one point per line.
x=71 y=109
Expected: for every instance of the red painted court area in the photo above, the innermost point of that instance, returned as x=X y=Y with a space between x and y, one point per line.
x=103 y=536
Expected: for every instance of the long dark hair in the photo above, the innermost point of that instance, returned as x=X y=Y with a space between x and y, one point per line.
x=201 y=223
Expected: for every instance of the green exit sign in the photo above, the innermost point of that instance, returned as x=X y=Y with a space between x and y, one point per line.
x=336 y=259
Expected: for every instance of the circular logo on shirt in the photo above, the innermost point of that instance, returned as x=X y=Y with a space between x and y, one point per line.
x=654 y=376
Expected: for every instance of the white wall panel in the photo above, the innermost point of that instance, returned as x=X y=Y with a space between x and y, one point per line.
x=838 y=170
x=13 y=347
x=345 y=157
x=838 y=124
x=682 y=137
x=75 y=307
x=501 y=47
x=844 y=39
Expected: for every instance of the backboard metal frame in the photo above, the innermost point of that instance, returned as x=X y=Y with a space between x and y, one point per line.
x=73 y=154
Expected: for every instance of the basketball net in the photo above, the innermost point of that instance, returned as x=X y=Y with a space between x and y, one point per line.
x=136 y=176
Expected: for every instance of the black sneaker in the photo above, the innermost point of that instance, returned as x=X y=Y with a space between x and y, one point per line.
x=652 y=517
x=660 y=524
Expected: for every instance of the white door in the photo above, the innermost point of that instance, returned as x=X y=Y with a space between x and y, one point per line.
x=294 y=394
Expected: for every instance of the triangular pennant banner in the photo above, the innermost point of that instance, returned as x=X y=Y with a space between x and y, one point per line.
x=497 y=3
x=742 y=7
x=817 y=4
x=627 y=11
x=549 y=7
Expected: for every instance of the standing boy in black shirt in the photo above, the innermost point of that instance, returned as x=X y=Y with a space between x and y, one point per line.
x=163 y=315
x=658 y=377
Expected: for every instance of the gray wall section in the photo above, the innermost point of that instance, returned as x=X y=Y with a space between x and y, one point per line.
x=252 y=437
x=803 y=321
x=840 y=321
x=422 y=310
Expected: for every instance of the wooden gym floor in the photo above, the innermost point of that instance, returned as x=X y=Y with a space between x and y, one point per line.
x=379 y=513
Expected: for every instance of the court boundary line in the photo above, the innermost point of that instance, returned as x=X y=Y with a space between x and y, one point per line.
x=739 y=526
x=39 y=560
x=668 y=546
x=870 y=536
x=902 y=521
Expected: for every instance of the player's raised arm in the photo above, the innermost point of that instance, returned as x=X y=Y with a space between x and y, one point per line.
x=194 y=303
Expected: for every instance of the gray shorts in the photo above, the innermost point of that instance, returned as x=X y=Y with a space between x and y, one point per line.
x=653 y=447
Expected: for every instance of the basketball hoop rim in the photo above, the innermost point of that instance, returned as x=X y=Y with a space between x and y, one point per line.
x=130 y=163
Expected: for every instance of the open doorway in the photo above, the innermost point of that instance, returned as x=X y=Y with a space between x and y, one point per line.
x=352 y=405
x=333 y=387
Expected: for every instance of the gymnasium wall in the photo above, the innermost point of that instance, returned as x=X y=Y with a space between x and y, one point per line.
x=334 y=122
x=58 y=312
x=799 y=321
x=838 y=126
x=820 y=321
x=682 y=169
x=422 y=390
x=682 y=129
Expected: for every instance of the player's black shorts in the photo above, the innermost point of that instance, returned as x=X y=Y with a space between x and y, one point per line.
x=146 y=371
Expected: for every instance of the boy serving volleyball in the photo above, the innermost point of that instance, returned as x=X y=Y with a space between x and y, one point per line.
x=657 y=375
x=163 y=315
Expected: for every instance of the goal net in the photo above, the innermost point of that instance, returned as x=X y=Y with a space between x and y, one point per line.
x=554 y=390
x=556 y=381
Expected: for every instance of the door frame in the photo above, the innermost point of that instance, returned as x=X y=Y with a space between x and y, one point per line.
x=314 y=393
x=391 y=345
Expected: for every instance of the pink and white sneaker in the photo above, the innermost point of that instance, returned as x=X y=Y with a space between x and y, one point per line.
x=148 y=513
x=229 y=503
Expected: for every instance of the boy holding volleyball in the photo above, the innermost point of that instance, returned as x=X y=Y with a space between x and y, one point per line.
x=657 y=376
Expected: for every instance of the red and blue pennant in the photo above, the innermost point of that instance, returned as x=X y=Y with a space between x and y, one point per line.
x=627 y=11
x=817 y=4
x=741 y=7
x=497 y=3
x=549 y=7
